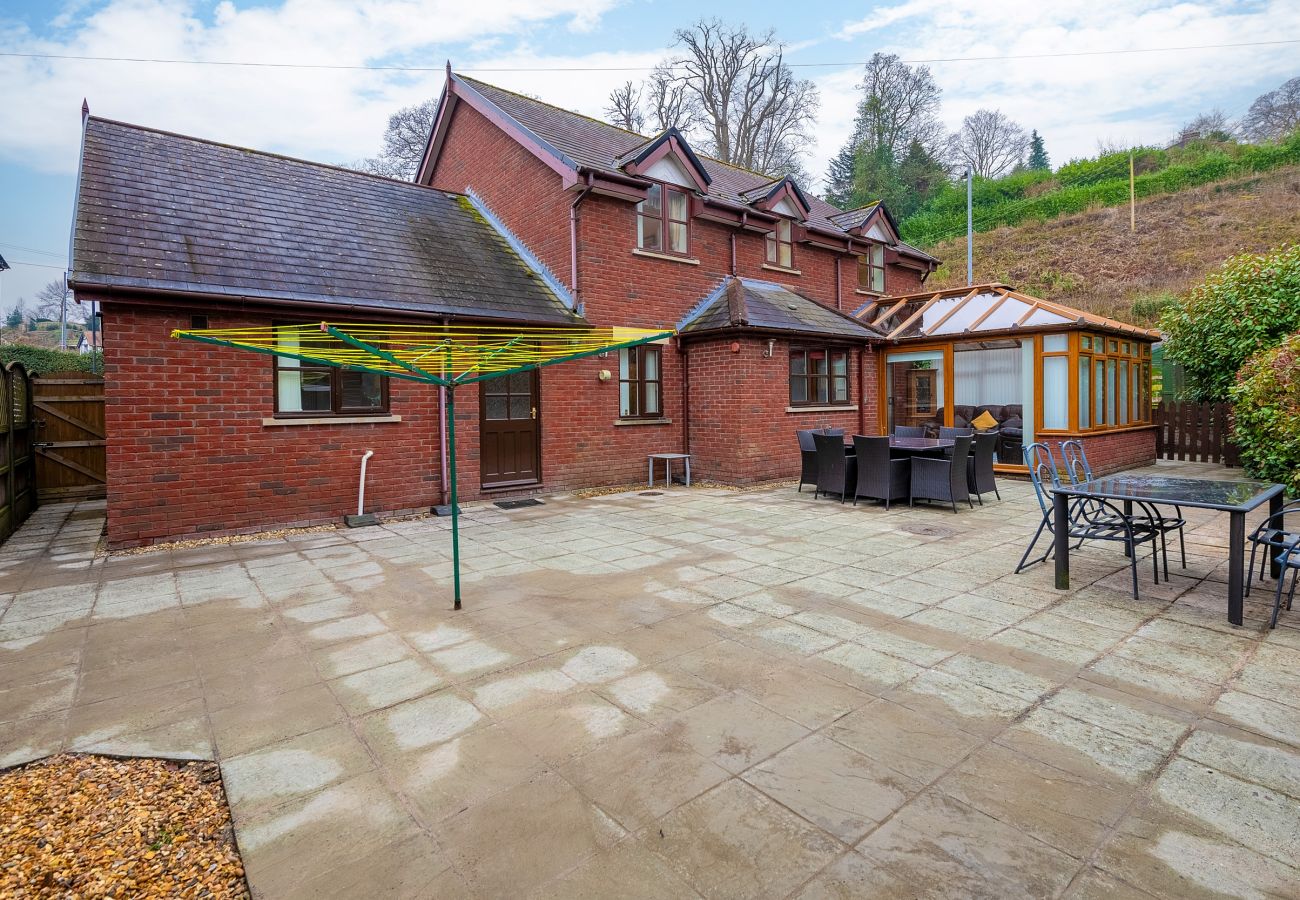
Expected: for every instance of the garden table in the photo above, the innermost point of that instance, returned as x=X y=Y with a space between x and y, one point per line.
x=1233 y=497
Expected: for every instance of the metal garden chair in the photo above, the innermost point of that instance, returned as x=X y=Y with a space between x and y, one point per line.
x=1089 y=519
x=1274 y=538
x=1077 y=468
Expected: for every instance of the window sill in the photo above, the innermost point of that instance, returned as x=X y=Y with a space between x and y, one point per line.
x=659 y=421
x=772 y=268
x=331 y=420
x=873 y=294
x=853 y=407
x=688 y=260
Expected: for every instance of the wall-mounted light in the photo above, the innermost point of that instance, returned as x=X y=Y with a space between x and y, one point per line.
x=604 y=375
x=735 y=346
x=771 y=348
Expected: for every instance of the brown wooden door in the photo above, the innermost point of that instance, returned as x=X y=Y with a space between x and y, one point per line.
x=508 y=412
x=70 y=436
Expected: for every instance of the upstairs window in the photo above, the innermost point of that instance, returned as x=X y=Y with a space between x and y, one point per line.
x=640 y=381
x=871 y=269
x=819 y=376
x=780 y=245
x=663 y=220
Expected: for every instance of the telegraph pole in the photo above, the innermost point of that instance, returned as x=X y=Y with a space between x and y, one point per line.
x=970 y=232
x=1132 y=196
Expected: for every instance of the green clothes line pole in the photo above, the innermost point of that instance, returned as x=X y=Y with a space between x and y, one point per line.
x=455 y=505
x=397 y=351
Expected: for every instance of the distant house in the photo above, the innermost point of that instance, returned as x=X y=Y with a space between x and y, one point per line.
x=88 y=342
x=789 y=314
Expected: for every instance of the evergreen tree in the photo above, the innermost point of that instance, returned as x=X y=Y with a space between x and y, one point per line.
x=1038 y=154
x=920 y=173
x=839 y=175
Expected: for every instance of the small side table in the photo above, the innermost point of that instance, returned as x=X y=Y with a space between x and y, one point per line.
x=668 y=462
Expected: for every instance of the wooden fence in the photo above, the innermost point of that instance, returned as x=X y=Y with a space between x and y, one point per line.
x=70 y=453
x=1196 y=432
x=17 y=459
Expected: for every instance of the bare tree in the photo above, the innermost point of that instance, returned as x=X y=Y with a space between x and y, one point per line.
x=1207 y=126
x=624 y=108
x=1274 y=115
x=900 y=105
x=50 y=302
x=989 y=143
x=752 y=110
x=667 y=104
x=404 y=141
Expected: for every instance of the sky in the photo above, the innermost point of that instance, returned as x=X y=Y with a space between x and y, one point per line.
x=338 y=115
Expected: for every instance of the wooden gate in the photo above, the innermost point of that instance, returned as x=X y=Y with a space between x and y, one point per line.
x=1197 y=432
x=70 y=452
x=17 y=462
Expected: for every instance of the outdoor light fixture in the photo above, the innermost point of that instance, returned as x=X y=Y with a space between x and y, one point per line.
x=771 y=347
x=604 y=375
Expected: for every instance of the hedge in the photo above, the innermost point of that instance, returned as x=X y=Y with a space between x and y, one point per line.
x=42 y=360
x=1266 y=414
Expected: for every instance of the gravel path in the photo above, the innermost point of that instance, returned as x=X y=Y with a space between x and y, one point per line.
x=91 y=826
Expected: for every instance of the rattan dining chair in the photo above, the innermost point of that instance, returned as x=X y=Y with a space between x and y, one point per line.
x=880 y=477
x=835 y=468
x=979 y=469
x=942 y=479
x=807 y=459
x=909 y=431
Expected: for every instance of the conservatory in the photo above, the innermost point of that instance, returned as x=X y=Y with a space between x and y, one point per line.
x=992 y=358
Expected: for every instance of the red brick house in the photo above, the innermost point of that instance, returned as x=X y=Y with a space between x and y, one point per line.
x=522 y=212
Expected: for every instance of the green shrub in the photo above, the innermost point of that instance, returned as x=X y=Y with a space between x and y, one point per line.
x=42 y=360
x=1149 y=308
x=1249 y=305
x=1266 y=414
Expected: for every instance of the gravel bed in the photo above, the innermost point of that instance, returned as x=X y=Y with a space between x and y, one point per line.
x=94 y=826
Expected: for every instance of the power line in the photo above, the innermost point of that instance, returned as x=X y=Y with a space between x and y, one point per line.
x=33 y=250
x=499 y=69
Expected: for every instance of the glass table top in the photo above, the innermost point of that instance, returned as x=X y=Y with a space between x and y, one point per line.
x=1201 y=492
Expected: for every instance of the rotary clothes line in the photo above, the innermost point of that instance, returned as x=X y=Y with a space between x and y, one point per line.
x=448 y=356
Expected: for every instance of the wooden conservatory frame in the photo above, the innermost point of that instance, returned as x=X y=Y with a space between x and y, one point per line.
x=1117 y=356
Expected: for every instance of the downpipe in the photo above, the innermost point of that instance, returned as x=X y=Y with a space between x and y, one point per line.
x=361 y=518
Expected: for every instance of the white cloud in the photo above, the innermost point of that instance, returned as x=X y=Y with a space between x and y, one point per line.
x=326 y=114
x=1074 y=101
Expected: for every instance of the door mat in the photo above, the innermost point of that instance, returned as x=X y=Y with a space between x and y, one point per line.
x=517 y=504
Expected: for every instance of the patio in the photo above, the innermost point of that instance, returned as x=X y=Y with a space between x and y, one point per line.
x=694 y=693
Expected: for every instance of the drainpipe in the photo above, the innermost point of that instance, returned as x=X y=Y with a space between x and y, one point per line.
x=573 y=240
x=442 y=434
x=686 y=394
x=733 y=253
x=862 y=390
x=361 y=488
x=838 y=303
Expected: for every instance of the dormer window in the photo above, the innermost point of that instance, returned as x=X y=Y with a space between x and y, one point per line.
x=663 y=220
x=780 y=245
x=871 y=269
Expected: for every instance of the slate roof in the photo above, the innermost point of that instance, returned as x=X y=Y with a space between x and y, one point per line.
x=751 y=303
x=586 y=142
x=166 y=212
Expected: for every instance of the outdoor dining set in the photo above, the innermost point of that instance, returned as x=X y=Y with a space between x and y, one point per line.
x=1137 y=509
x=956 y=467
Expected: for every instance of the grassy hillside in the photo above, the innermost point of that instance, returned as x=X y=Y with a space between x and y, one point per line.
x=1090 y=260
x=1086 y=183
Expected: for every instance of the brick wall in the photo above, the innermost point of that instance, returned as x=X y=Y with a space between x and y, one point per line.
x=741 y=431
x=1116 y=451
x=523 y=192
x=188 y=455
